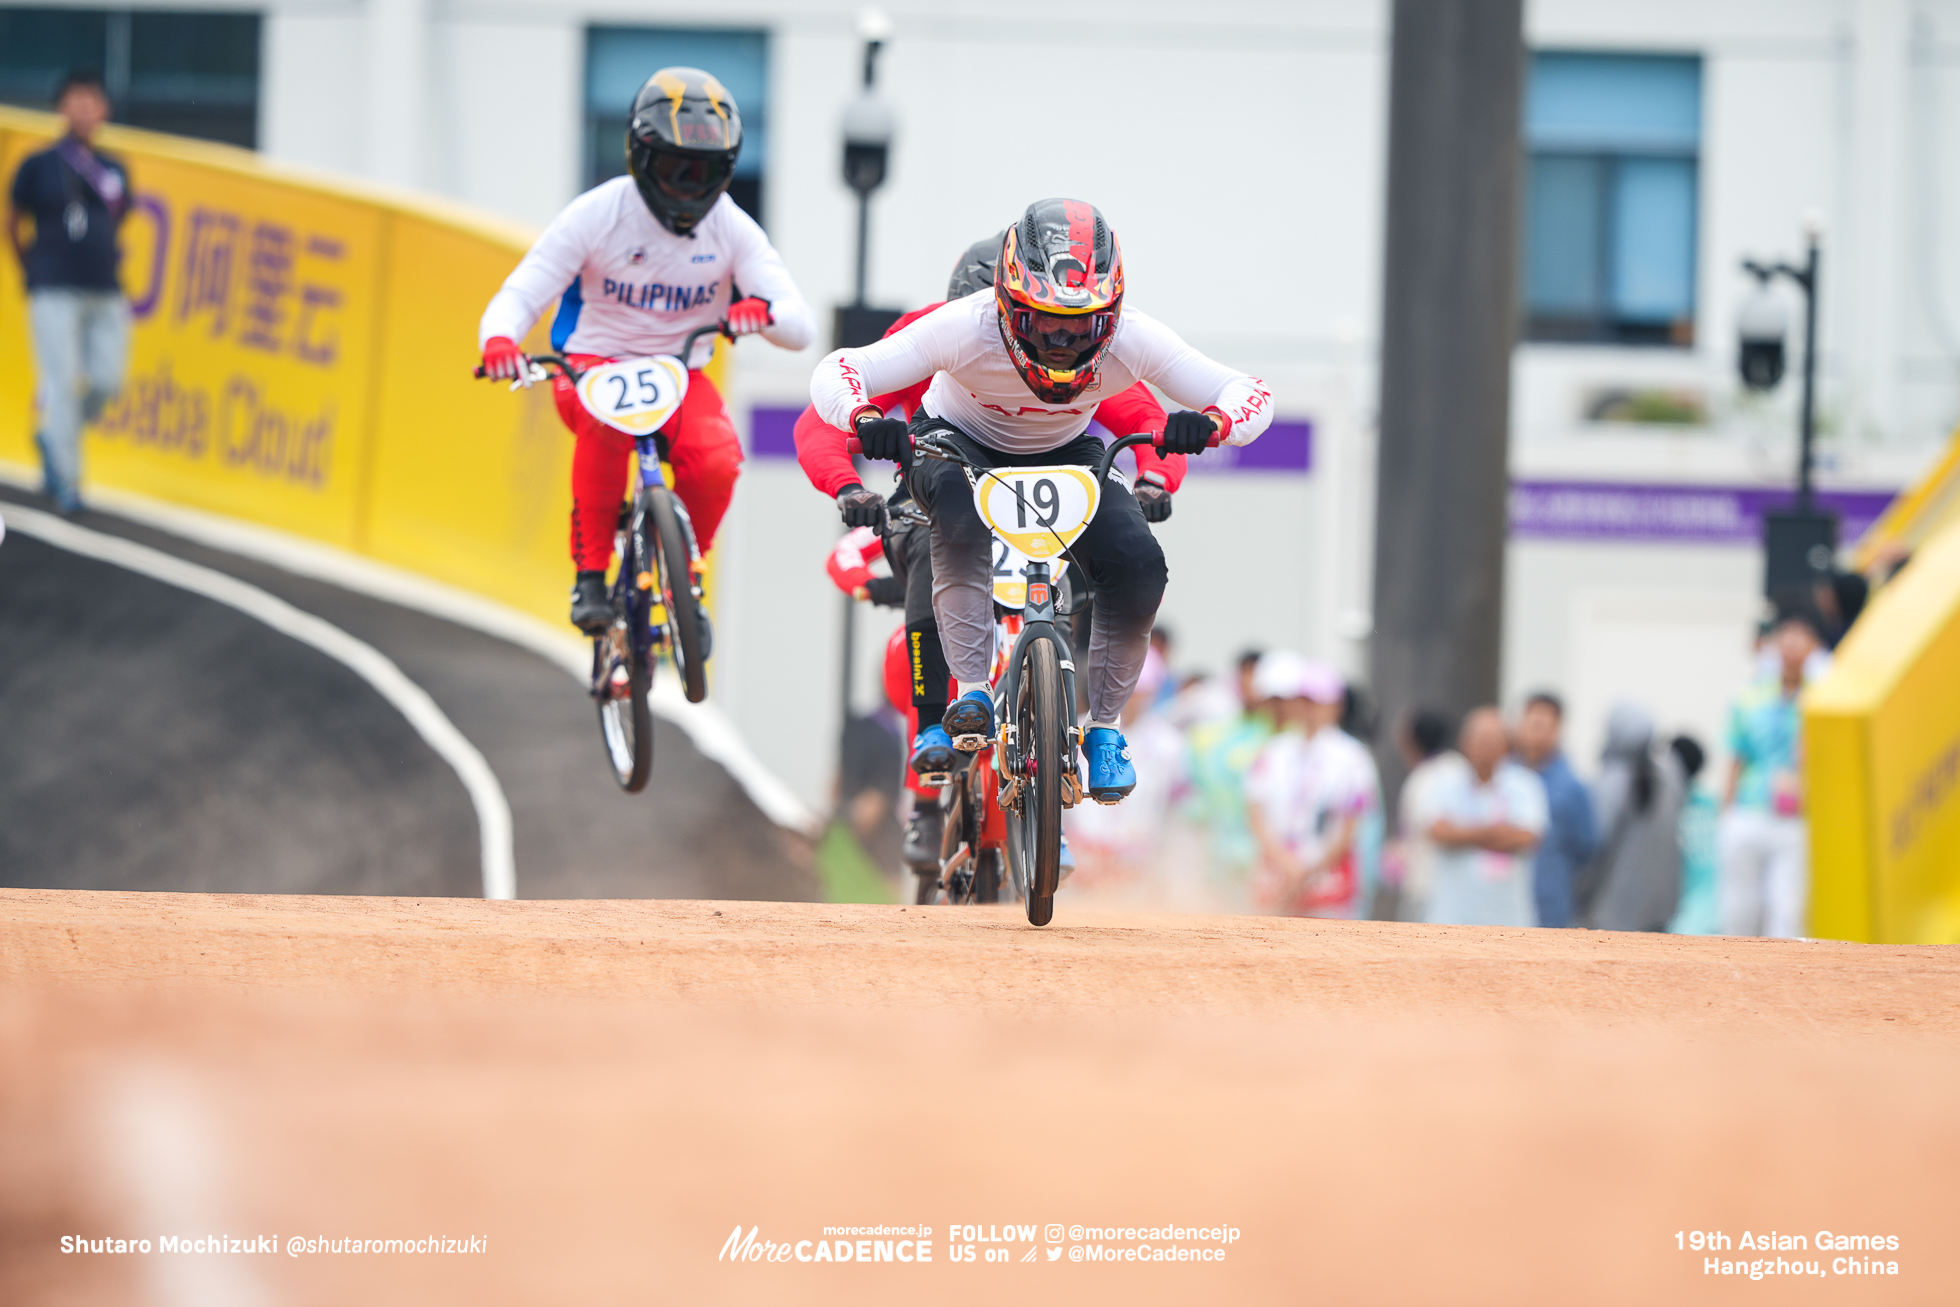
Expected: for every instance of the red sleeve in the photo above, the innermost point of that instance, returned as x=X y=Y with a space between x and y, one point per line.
x=1134 y=412
x=821 y=449
x=849 y=564
x=823 y=455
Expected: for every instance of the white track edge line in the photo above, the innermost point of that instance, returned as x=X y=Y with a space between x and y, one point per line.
x=706 y=726
x=370 y=664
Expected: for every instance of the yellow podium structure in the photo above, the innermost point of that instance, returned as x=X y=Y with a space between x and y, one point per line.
x=1882 y=762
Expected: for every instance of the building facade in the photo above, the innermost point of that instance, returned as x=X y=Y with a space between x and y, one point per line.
x=1239 y=155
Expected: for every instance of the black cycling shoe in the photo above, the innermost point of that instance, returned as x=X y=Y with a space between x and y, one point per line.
x=591 y=606
x=922 y=836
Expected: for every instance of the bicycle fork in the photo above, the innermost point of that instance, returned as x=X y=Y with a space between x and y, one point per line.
x=1037 y=623
x=644 y=587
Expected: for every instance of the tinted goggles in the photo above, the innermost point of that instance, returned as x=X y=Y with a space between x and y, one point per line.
x=1080 y=332
x=691 y=176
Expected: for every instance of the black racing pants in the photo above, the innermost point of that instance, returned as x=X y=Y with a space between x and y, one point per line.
x=908 y=549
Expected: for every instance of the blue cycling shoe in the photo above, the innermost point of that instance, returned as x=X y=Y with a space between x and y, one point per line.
x=1068 y=860
x=1111 y=777
x=970 y=721
x=932 y=751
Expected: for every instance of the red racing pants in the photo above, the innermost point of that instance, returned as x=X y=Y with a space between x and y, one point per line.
x=702 y=448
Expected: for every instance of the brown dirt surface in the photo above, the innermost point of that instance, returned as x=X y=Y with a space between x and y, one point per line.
x=602 y=1090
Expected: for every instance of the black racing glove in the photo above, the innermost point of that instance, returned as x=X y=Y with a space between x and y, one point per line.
x=885 y=438
x=1154 y=500
x=1186 y=432
x=885 y=591
x=861 y=507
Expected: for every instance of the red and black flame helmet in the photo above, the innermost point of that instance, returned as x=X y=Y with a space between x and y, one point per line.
x=681 y=144
x=1059 y=287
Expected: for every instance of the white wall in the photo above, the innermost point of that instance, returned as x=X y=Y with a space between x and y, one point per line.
x=1669 y=626
x=1238 y=152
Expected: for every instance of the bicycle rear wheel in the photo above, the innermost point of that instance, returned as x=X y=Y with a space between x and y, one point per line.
x=986 y=877
x=620 y=681
x=1034 y=822
x=677 y=593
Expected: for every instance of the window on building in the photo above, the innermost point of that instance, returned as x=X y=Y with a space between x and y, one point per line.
x=192 y=74
x=1611 y=186
x=618 y=60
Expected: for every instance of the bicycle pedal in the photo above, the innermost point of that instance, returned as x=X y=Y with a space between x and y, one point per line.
x=970 y=743
x=935 y=778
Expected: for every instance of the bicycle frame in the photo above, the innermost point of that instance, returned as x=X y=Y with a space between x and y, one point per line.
x=1037 y=623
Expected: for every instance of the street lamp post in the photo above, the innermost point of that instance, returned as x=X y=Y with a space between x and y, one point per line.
x=1799 y=545
x=868 y=130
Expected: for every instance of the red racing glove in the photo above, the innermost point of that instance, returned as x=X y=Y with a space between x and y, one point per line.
x=746 y=317
x=503 y=359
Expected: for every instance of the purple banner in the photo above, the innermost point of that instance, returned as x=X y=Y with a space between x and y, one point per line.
x=1594 y=510
x=1285 y=447
x=772 y=432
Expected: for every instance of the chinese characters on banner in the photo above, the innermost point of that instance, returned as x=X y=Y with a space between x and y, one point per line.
x=251 y=316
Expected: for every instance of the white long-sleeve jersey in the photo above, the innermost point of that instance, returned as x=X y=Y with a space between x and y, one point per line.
x=977 y=389
x=630 y=287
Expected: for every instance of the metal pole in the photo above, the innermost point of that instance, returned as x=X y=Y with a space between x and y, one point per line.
x=864 y=245
x=1449 y=318
x=1808 y=431
x=844 y=698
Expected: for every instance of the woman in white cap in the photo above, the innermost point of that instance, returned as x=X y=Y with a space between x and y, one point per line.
x=1308 y=796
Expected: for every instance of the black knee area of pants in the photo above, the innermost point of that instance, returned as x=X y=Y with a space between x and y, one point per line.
x=942 y=488
x=1129 y=571
x=929 y=671
x=914 y=548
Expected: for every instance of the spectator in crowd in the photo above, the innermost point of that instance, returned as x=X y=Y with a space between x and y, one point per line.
x=1424 y=740
x=76 y=197
x=1762 y=843
x=1840 y=598
x=1222 y=750
x=1120 y=847
x=1309 y=798
x=1634 y=882
x=1570 y=834
x=1699 y=912
x=1164 y=644
x=1488 y=818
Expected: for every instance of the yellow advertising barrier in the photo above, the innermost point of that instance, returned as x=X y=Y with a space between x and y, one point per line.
x=301 y=358
x=1882 y=763
x=1917 y=513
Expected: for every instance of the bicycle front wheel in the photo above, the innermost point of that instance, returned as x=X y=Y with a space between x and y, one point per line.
x=677 y=593
x=619 y=683
x=1034 y=821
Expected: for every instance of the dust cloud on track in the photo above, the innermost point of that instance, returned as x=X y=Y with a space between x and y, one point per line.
x=604 y=1090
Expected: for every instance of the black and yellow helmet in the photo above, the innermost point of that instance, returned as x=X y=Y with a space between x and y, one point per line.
x=681 y=144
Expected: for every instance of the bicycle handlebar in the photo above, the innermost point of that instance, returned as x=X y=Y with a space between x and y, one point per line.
x=1156 y=438
x=564 y=365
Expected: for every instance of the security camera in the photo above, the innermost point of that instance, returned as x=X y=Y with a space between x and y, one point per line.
x=1762 y=324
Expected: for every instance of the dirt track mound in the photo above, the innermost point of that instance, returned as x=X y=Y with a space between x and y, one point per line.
x=604 y=1090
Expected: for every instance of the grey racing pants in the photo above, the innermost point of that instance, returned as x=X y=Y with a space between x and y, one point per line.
x=1117 y=552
